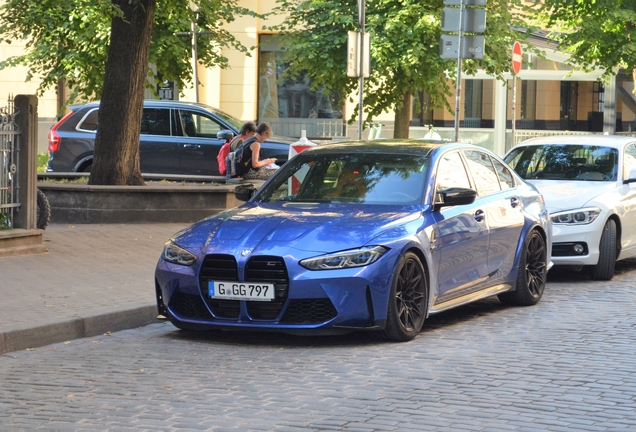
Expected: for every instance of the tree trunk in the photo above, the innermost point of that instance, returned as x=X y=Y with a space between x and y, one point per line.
x=116 y=160
x=403 y=118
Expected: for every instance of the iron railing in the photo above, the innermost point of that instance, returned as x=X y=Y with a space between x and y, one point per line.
x=9 y=148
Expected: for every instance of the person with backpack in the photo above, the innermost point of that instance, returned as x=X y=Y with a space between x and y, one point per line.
x=247 y=131
x=255 y=169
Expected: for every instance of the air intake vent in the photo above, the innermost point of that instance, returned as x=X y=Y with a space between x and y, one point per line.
x=309 y=311
x=219 y=268
x=273 y=270
x=188 y=306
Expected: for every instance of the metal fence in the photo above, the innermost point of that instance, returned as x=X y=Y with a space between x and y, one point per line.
x=9 y=148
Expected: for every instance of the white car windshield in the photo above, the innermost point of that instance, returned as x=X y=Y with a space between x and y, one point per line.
x=564 y=162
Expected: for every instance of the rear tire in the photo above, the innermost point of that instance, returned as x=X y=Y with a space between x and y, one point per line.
x=604 y=270
x=533 y=270
x=43 y=211
x=407 y=300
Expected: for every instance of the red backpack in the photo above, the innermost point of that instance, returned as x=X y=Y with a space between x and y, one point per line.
x=225 y=150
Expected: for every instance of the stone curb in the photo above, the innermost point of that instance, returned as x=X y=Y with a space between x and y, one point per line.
x=17 y=340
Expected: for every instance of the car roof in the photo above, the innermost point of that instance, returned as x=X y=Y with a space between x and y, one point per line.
x=157 y=103
x=615 y=141
x=406 y=146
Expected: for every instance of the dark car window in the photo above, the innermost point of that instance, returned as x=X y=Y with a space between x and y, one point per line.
x=155 y=121
x=480 y=166
x=89 y=122
x=564 y=162
x=359 y=178
x=198 y=125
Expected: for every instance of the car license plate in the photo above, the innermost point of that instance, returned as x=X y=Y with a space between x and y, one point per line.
x=253 y=291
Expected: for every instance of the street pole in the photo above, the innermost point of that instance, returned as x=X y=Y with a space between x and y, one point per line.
x=458 y=86
x=195 y=61
x=361 y=20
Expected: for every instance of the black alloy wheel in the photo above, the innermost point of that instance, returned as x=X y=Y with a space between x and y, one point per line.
x=407 y=300
x=533 y=272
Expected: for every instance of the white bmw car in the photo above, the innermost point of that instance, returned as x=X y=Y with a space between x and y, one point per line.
x=589 y=186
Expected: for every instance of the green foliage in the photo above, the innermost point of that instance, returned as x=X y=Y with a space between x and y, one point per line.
x=405 y=37
x=599 y=33
x=43 y=159
x=68 y=40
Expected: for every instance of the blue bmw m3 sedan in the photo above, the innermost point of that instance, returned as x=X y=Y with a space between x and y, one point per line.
x=373 y=236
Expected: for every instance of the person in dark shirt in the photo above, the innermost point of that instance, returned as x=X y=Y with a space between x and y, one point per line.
x=247 y=131
x=257 y=169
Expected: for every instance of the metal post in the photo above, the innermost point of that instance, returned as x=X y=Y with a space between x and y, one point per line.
x=361 y=20
x=195 y=61
x=458 y=87
x=514 y=109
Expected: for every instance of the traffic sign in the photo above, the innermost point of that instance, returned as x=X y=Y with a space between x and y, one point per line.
x=517 y=57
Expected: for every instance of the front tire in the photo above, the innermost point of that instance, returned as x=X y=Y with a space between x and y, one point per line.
x=604 y=270
x=533 y=270
x=407 y=300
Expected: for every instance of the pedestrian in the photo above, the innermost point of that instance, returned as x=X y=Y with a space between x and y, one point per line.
x=247 y=131
x=257 y=169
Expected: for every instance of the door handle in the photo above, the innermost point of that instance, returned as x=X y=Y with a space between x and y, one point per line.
x=514 y=202
x=191 y=146
x=480 y=215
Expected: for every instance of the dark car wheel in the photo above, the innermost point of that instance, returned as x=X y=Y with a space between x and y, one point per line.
x=43 y=210
x=407 y=300
x=604 y=270
x=533 y=270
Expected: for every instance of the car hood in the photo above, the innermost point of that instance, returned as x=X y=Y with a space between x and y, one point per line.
x=308 y=229
x=565 y=195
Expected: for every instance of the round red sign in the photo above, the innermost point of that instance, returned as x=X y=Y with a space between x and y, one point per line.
x=516 y=57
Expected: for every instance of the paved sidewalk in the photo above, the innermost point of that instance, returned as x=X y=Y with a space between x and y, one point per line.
x=93 y=279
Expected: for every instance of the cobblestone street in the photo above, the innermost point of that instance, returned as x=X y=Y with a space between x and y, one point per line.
x=566 y=364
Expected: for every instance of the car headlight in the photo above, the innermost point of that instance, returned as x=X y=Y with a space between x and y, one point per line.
x=178 y=255
x=345 y=259
x=576 y=217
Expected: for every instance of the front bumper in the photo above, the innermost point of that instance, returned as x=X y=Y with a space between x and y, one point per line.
x=565 y=237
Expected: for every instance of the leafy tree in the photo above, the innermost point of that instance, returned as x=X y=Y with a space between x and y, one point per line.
x=102 y=48
x=405 y=60
x=597 y=33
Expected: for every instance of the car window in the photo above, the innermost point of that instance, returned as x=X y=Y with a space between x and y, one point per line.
x=155 y=121
x=350 y=177
x=564 y=162
x=198 y=125
x=630 y=160
x=506 y=180
x=480 y=166
x=89 y=122
x=451 y=173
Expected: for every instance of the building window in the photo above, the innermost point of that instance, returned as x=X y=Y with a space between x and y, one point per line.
x=280 y=97
x=598 y=95
x=528 y=99
x=472 y=104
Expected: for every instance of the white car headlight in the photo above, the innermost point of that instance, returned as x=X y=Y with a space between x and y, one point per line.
x=178 y=255
x=582 y=216
x=345 y=259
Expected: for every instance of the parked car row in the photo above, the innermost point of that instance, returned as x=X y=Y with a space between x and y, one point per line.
x=176 y=138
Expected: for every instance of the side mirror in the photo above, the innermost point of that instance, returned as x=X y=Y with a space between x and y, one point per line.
x=631 y=178
x=244 y=192
x=225 y=135
x=455 y=196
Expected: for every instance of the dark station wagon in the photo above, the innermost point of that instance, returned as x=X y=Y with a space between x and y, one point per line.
x=176 y=138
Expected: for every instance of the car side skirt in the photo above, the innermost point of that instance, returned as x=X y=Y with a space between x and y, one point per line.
x=468 y=298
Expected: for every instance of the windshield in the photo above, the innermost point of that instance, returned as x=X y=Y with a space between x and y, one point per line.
x=228 y=118
x=357 y=178
x=564 y=162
